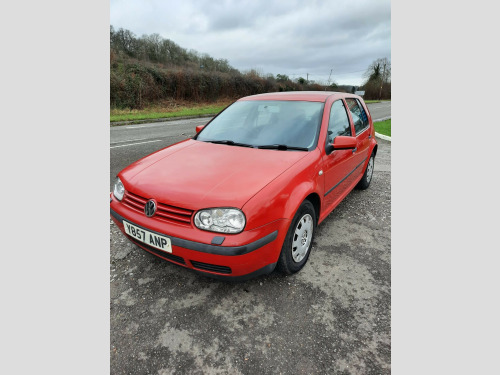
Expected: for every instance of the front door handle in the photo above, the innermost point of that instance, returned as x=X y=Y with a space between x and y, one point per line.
x=354 y=150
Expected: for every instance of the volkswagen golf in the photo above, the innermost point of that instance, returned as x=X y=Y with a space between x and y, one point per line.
x=244 y=195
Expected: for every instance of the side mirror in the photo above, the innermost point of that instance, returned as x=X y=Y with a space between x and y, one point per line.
x=344 y=143
x=198 y=128
x=341 y=143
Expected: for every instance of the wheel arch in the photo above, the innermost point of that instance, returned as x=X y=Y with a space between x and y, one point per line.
x=316 y=202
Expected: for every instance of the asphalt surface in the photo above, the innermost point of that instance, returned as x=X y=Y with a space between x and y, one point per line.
x=333 y=317
x=380 y=110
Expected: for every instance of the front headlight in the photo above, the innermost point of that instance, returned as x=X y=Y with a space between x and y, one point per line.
x=224 y=220
x=118 y=190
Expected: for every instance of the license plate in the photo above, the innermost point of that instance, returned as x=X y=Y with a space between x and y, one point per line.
x=152 y=239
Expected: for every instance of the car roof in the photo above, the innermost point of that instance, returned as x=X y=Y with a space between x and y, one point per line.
x=311 y=96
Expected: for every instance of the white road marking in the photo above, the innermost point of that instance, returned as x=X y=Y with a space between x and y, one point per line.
x=129 y=140
x=202 y=121
x=137 y=143
x=139 y=126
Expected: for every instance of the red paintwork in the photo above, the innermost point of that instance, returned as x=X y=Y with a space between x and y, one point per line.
x=267 y=185
x=200 y=174
x=308 y=96
x=342 y=142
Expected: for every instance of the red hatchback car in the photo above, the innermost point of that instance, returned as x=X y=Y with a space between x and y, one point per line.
x=245 y=194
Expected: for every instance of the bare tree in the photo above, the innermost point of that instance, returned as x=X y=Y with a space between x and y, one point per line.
x=380 y=68
x=377 y=74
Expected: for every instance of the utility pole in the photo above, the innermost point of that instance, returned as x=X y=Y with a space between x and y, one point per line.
x=307 y=80
x=382 y=84
x=331 y=70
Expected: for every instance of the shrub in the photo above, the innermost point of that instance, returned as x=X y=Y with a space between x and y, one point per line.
x=135 y=84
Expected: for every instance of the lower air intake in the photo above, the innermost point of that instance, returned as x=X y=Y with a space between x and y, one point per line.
x=210 y=267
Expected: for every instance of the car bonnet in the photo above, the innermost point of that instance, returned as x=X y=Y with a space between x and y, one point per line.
x=197 y=175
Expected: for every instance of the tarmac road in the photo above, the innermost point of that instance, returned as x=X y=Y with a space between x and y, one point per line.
x=333 y=317
x=380 y=110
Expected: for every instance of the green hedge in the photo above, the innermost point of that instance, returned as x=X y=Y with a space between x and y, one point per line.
x=135 y=85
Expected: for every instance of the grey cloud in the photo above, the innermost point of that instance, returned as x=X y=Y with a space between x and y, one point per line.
x=287 y=37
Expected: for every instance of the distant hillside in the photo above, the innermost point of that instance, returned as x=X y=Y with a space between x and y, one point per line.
x=155 y=49
x=151 y=69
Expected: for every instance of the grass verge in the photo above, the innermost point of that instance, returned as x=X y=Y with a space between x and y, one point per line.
x=383 y=127
x=376 y=101
x=165 y=112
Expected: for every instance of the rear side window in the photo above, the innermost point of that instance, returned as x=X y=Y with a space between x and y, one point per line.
x=358 y=113
x=339 y=122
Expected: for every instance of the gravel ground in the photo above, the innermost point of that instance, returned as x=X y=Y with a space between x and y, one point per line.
x=333 y=317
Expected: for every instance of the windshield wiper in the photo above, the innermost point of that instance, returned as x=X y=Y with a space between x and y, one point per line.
x=231 y=143
x=282 y=147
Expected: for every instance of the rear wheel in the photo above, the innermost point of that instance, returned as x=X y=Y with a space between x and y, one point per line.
x=367 y=177
x=298 y=241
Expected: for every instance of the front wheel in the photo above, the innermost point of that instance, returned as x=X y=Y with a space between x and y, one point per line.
x=367 y=177
x=298 y=240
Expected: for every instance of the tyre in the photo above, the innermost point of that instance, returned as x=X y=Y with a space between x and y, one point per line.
x=298 y=240
x=367 y=177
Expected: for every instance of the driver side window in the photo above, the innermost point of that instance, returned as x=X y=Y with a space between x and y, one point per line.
x=339 y=122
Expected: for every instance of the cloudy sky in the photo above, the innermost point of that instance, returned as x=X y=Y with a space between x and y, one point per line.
x=292 y=37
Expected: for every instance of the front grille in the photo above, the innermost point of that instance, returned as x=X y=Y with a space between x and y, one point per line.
x=164 y=212
x=134 y=201
x=172 y=257
x=210 y=267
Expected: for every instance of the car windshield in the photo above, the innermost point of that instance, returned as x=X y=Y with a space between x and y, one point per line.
x=283 y=125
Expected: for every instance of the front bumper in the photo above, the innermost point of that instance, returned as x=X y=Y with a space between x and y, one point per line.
x=247 y=255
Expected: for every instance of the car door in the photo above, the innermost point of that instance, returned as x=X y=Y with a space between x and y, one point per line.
x=337 y=166
x=362 y=133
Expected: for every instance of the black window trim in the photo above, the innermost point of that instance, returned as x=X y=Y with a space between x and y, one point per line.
x=362 y=131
